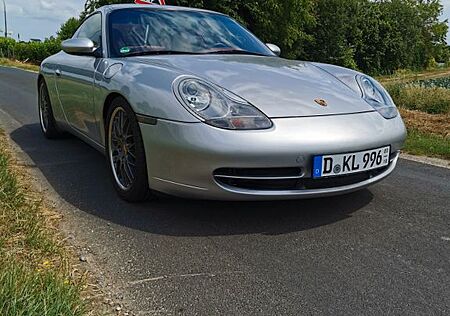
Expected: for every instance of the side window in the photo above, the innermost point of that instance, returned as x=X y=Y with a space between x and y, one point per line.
x=92 y=29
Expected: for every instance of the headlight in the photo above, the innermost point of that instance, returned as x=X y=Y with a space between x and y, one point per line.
x=218 y=107
x=377 y=97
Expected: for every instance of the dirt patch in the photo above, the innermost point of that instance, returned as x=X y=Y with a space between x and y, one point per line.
x=436 y=124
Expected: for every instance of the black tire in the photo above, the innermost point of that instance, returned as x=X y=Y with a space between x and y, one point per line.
x=46 y=119
x=129 y=172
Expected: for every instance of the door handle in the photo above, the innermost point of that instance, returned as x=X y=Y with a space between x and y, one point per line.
x=58 y=72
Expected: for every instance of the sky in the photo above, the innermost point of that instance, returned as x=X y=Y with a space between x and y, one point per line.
x=42 y=18
x=446 y=15
x=38 y=18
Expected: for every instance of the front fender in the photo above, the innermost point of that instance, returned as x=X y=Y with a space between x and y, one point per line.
x=147 y=88
x=47 y=72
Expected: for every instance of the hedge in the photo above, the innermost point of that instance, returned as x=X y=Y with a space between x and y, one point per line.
x=33 y=52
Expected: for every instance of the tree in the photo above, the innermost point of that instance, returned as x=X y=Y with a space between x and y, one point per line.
x=285 y=23
x=333 y=34
x=68 y=28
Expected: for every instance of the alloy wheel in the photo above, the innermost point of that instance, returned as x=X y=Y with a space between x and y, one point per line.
x=44 y=113
x=122 y=148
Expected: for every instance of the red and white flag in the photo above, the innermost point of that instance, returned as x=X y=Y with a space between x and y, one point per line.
x=161 y=2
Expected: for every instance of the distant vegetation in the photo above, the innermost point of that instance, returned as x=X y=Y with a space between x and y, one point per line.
x=443 y=82
x=33 y=52
x=416 y=96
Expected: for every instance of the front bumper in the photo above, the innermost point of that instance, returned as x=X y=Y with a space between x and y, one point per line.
x=183 y=157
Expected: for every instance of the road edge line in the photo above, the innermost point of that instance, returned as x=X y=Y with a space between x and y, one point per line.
x=432 y=161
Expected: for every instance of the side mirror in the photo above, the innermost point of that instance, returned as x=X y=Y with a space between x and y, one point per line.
x=79 y=46
x=274 y=48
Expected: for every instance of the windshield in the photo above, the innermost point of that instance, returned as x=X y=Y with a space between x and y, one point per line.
x=147 y=31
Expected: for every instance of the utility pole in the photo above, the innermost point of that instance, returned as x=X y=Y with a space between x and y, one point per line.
x=6 y=22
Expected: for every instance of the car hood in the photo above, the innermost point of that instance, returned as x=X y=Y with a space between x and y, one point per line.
x=278 y=87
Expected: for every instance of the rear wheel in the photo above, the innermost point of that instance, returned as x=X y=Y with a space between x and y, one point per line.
x=125 y=152
x=46 y=118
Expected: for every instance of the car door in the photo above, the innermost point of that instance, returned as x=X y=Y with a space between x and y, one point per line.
x=75 y=79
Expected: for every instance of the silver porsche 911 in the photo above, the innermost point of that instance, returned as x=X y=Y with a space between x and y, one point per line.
x=189 y=103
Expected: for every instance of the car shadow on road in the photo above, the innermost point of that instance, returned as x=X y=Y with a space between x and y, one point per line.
x=79 y=174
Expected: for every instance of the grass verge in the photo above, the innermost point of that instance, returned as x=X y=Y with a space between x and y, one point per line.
x=424 y=102
x=426 y=144
x=428 y=134
x=35 y=274
x=18 y=64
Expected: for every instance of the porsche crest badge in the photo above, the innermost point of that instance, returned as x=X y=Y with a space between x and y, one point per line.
x=321 y=102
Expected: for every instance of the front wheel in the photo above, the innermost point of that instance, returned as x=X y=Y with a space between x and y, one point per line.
x=125 y=152
x=46 y=118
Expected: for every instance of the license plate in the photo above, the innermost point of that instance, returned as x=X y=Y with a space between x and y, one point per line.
x=340 y=164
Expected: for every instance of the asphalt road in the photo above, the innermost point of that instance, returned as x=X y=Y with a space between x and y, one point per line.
x=384 y=250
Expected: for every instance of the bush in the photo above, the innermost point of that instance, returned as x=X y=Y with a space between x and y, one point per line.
x=33 y=52
x=433 y=100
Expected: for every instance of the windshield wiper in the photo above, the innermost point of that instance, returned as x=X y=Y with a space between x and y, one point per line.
x=234 y=51
x=157 y=52
x=176 y=52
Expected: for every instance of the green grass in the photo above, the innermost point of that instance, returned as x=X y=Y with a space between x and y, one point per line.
x=34 y=270
x=24 y=291
x=13 y=63
x=424 y=144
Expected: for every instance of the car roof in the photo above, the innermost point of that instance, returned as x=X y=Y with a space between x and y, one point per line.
x=113 y=7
